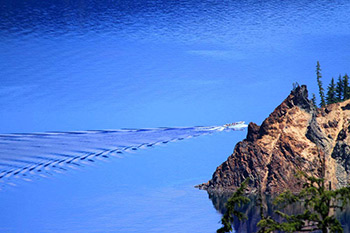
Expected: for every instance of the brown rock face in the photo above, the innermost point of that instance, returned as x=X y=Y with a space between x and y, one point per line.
x=295 y=137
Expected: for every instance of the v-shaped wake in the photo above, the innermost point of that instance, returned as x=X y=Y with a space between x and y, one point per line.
x=25 y=156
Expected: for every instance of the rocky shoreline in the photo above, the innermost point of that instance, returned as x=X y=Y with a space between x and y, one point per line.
x=295 y=137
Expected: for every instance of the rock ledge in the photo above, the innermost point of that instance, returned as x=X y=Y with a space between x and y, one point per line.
x=295 y=137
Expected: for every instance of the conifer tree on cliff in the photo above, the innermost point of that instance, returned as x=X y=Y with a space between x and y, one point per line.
x=235 y=201
x=331 y=95
x=346 y=87
x=339 y=89
x=319 y=200
x=319 y=83
x=314 y=100
x=320 y=203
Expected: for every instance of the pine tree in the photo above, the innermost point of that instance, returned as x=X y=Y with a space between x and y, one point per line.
x=319 y=200
x=236 y=201
x=331 y=94
x=319 y=82
x=320 y=204
x=339 y=90
x=346 y=87
x=261 y=203
x=314 y=100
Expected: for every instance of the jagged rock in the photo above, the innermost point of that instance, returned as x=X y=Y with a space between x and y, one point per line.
x=295 y=137
x=253 y=132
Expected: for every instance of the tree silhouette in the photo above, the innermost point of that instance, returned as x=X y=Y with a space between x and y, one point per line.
x=346 y=87
x=319 y=83
x=319 y=207
x=339 y=90
x=331 y=93
x=314 y=100
x=319 y=203
x=235 y=201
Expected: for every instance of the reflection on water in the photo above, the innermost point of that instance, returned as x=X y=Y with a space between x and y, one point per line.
x=253 y=212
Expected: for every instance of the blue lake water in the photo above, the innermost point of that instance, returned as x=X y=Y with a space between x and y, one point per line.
x=78 y=65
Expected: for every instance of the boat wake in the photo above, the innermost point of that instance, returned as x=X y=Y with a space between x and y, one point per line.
x=27 y=156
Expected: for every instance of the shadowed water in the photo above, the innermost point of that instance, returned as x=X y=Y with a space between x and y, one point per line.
x=252 y=211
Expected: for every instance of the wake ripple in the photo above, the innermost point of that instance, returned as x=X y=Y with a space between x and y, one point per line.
x=30 y=155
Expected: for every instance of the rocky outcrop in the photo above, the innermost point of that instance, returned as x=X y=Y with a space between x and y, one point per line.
x=295 y=137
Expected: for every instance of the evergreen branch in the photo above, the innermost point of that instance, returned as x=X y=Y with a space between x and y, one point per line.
x=235 y=201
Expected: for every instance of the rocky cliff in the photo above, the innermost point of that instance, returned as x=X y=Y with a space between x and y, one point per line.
x=295 y=137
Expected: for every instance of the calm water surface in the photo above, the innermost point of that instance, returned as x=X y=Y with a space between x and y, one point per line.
x=77 y=65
